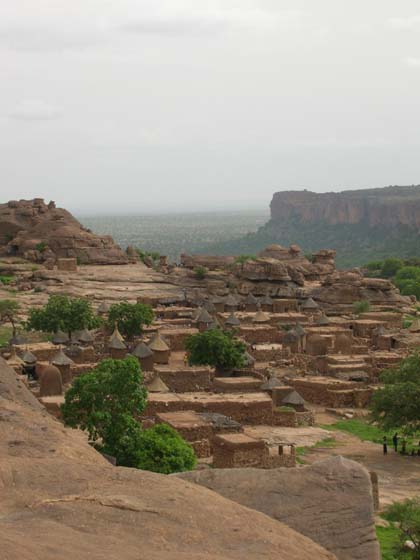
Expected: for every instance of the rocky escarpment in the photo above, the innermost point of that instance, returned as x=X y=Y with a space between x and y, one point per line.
x=41 y=232
x=390 y=206
x=330 y=501
x=60 y=499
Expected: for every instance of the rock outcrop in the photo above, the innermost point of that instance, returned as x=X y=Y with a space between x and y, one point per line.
x=60 y=499
x=331 y=501
x=391 y=206
x=41 y=232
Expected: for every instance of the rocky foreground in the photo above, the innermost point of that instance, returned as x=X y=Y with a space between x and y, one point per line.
x=59 y=499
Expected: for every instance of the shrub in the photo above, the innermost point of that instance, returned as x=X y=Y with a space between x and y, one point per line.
x=41 y=247
x=390 y=267
x=215 y=348
x=405 y=517
x=130 y=317
x=200 y=272
x=8 y=313
x=244 y=258
x=162 y=450
x=361 y=307
x=6 y=280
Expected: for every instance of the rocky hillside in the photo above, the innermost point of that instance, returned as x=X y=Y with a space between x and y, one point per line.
x=361 y=225
x=41 y=232
x=60 y=499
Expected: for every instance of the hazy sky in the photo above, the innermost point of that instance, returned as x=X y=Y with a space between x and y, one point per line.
x=140 y=105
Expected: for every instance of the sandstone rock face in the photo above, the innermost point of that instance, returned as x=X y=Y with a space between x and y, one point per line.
x=330 y=501
x=41 y=232
x=391 y=206
x=59 y=499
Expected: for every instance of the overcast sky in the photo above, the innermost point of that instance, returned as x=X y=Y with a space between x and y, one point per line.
x=145 y=105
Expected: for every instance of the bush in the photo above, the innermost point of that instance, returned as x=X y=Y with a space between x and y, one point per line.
x=244 y=258
x=390 y=267
x=162 y=450
x=41 y=247
x=215 y=348
x=361 y=307
x=406 y=518
x=200 y=272
x=63 y=313
x=130 y=317
x=8 y=313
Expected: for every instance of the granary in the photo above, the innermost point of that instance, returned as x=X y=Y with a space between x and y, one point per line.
x=343 y=344
x=144 y=355
x=294 y=400
x=231 y=303
x=232 y=321
x=17 y=340
x=196 y=313
x=300 y=331
x=160 y=349
x=260 y=317
x=218 y=303
x=15 y=362
x=116 y=333
x=250 y=302
x=249 y=360
x=381 y=339
x=85 y=337
x=63 y=363
x=157 y=385
x=266 y=303
x=309 y=305
x=322 y=321
x=60 y=337
x=116 y=346
x=29 y=362
x=209 y=306
x=50 y=384
x=203 y=320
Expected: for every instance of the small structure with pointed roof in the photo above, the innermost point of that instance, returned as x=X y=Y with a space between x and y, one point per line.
x=266 y=303
x=145 y=356
x=292 y=341
x=63 y=363
x=116 y=345
x=157 y=385
x=209 y=306
x=322 y=321
x=232 y=321
x=50 y=384
x=160 y=349
x=231 y=303
x=260 y=317
x=219 y=303
x=294 y=400
x=309 y=305
x=251 y=302
x=85 y=336
x=203 y=320
x=17 y=340
x=60 y=337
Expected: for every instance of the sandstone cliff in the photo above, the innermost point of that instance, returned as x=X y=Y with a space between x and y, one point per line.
x=390 y=206
x=41 y=232
x=59 y=499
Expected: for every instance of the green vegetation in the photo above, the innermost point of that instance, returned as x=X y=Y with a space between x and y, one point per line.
x=41 y=247
x=130 y=317
x=5 y=335
x=200 y=272
x=6 y=280
x=360 y=307
x=106 y=403
x=145 y=256
x=389 y=541
x=161 y=449
x=8 y=313
x=244 y=258
x=404 y=273
x=215 y=348
x=328 y=442
x=397 y=403
x=405 y=519
x=63 y=313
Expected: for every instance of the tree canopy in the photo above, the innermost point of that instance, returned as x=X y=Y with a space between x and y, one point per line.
x=406 y=516
x=215 y=348
x=130 y=317
x=397 y=403
x=63 y=313
x=8 y=312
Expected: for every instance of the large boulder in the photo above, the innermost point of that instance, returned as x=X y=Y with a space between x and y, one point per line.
x=41 y=232
x=331 y=501
x=60 y=499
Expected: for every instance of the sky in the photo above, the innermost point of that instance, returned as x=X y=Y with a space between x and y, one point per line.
x=134 y=106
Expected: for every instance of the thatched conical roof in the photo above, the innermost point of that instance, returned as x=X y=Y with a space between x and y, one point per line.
x=251 y=299
x=309 y=304
x=260 y=317
x=60 y=359
x=157 y=344
x=233 y=320
x=142 y=351
x=60 y=337
x=157 y=385
x=204 y=317
x=85 y=336
x=293 y=398
x=29 y=358
x=231 y=301
x=299 y=330
x=266 y=300
x=291 y=336
x=116 y=342
x=322 y=321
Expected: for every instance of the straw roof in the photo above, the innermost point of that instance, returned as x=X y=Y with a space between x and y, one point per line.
x=142 y=351
x=157 y=385
x=260 y=317
x=17 y=340
x=217 y=300
x=209 y=306
x=28 y=357
x=299 y=330
x=85 y=336
x=293 y=398
x=157 y=344
x=117 y=333
x=249 y=360
x=322 y=321
x=309 y=304
x=251 y=299
x=196 y=313
x=60 y=337
x=266 y=300
x=231 y=301
x=271 y=383
x=291 y=336
x=204 y=317
x=60 y=359
x=233 y=320
x=116 y=343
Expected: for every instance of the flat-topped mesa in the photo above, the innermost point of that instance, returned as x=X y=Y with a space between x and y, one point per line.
x=391 y=206
x=41 y=232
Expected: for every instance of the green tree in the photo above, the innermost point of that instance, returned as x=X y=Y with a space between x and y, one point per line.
x=361 y=307
x=63 y=313
x=200 y=272
x=244 y=258
x=105 y=403
x=397 y=403
x=390 y=267
x=130 y=317
x=161 y=449
x=8 y=313
x=406 y=516
x=407 y=281
x=215 y=348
